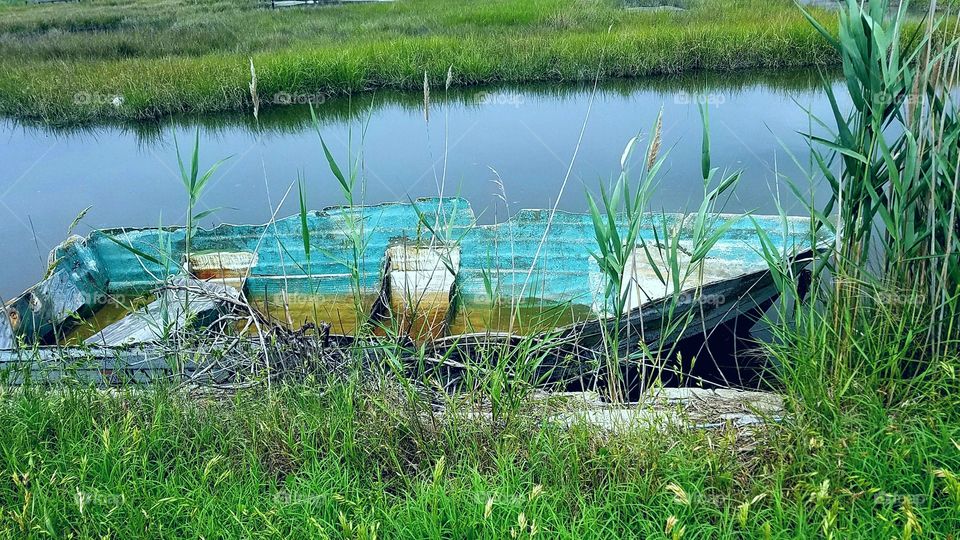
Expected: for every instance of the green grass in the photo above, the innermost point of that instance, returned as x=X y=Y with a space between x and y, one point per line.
x=65 y=62
x=340 y=461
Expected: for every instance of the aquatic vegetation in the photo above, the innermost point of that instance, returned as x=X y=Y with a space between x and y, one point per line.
x=881 y=334
x=151 y=58
x=677 y=260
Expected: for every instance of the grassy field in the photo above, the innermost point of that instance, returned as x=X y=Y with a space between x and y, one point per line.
x=134 y=59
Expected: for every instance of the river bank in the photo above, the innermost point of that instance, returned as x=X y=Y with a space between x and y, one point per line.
x=98 y=60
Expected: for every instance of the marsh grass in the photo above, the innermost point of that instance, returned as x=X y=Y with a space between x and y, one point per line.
x=892 y=165
x=67 y=62
x=880 y=337
x=355 y=109
x=676 y=261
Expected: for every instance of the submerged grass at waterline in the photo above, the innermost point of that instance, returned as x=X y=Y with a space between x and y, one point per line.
x=103 y=59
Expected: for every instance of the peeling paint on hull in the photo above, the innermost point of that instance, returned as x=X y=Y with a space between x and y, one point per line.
x=518 y=277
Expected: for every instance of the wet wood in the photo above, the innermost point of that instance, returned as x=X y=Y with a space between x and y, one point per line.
x=7 y=339
x=419 y=285
x=673 y=407
x=187 y=304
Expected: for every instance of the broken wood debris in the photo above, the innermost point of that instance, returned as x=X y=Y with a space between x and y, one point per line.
x=183 y=304
x=7 y=339
x=684 y=407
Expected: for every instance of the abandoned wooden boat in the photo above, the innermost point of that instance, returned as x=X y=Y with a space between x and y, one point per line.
x=423 y=270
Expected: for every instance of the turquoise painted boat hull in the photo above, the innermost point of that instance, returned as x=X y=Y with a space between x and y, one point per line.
x=531 y=274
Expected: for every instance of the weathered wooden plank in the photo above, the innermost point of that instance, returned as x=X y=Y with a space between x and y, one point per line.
x=420 y=283
x=7 y=339
x=187 y=303
x=228 y=268
x=666 y=408
x=102 y=366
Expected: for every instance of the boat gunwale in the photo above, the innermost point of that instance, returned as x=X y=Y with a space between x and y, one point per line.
x=333 y=210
